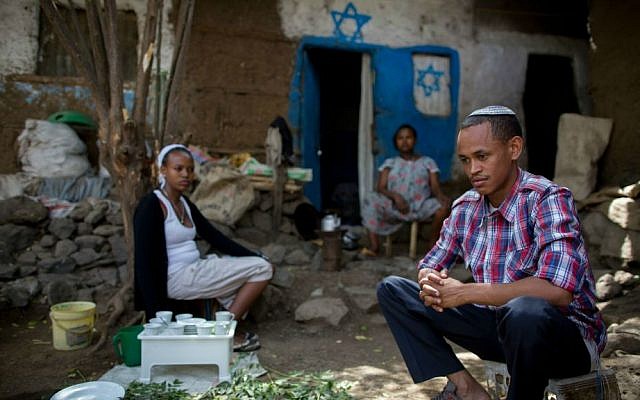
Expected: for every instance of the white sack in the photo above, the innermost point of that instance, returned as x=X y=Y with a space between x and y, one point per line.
x=581 y=142
x=51 y=150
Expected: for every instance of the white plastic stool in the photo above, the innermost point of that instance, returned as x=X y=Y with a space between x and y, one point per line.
x=186 y=350
x=600 y=385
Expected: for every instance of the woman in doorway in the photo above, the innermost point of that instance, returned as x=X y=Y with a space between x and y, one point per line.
x=167 y=261
x=408 y=189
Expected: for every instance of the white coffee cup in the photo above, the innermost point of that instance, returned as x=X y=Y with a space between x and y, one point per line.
x=157 y=320
x=224 y=316
x=205 y=329
x=153 y=328
x=165 y=316
x=175 y=328
x=221 y=328
x=180 y=317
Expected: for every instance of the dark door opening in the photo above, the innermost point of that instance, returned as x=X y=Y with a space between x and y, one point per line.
x=549 y=92
x=338 y=75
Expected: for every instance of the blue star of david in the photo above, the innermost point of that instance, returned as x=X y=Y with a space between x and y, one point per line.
x=434 y=86
x=350 y=12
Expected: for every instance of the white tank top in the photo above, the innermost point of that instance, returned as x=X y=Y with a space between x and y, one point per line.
x=181 y=246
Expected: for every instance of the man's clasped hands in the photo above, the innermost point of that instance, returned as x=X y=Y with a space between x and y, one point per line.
x=438 y=290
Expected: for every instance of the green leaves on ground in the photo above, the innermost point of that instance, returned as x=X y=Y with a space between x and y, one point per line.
x=291 y=386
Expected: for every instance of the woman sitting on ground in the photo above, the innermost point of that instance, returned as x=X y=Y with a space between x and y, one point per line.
x=167 y=261
x=408 y=189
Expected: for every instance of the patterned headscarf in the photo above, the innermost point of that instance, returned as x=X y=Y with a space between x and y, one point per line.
x=162 y=181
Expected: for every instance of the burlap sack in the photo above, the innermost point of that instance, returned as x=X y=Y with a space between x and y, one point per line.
x=223 y=195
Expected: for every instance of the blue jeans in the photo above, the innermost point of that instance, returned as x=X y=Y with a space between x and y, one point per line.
x=535 y=340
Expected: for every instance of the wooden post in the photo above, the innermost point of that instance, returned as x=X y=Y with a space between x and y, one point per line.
x=279 y=179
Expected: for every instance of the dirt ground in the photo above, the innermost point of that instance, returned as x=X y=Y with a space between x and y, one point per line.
x=360 y=350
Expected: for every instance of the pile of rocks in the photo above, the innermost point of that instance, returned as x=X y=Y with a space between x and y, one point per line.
x=59 y=259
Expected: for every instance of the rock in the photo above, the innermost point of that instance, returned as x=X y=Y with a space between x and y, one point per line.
x=27 y=258
x=108 y=230
x=41 y=252
x=261 y=220
x=8 y=270
x=593 y=224
x=57 y=265
x=265 y=203
x=5 y=252
x=625 y=278
x=22 y=210
x=275 y=252
x=364 y=297
x=108 y=275
x=118 y=249
x=85 y=294
x=607 y=287
x=317 y=261
x=80 y=211
x=85 y=256
x=21 y=291
x=223 y=228
x=272 y=301
x=97 y=214
x=123 y=273
x=64 y=248
x=329 y=309
x=310 y=248
x=62 y=228
x=47 y=241
x=253 y=235
x=282 y=278
x=625 y=337
x=286 y=226
x=297 y=257
x=318 y=292
x=115 y=218
x=245 y=221
x=27 y=270
x=89 y=241
x=84 y=229
x=60 y=291
x=16 y=238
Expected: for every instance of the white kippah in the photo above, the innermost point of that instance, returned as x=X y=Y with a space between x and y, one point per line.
x=493 y=110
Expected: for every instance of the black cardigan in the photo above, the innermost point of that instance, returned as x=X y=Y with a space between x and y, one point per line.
x=151 y=261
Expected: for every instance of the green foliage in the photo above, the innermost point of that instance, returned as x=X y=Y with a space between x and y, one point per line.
x=156 y=391
x=291 y=386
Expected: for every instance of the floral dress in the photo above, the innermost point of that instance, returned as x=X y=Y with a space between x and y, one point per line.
x=410 y=178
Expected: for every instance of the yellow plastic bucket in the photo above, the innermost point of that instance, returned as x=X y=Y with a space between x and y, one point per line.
x=72 y=324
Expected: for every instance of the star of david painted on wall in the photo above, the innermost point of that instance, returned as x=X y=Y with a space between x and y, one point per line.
x=432 y=85
x=350 y=13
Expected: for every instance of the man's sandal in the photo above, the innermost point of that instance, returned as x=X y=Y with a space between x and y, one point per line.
x=448 y=393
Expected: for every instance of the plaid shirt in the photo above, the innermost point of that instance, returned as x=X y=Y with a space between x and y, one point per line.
x=534 y=232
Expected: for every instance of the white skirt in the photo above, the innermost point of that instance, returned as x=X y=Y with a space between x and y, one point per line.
x=217 y=278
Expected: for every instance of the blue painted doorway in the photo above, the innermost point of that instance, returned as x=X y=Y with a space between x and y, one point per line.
x=415 y=85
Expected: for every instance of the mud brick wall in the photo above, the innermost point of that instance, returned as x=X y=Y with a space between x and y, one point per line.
x=237 y=76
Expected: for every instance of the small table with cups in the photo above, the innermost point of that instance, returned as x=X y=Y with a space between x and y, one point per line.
x=206 y=344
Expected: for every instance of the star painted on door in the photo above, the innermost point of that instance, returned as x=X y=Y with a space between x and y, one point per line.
x=429 y=80
x=350 y=13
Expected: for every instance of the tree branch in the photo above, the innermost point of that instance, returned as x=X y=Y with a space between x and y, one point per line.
x=145 y=61
x=99 y=58
x=176 y=75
